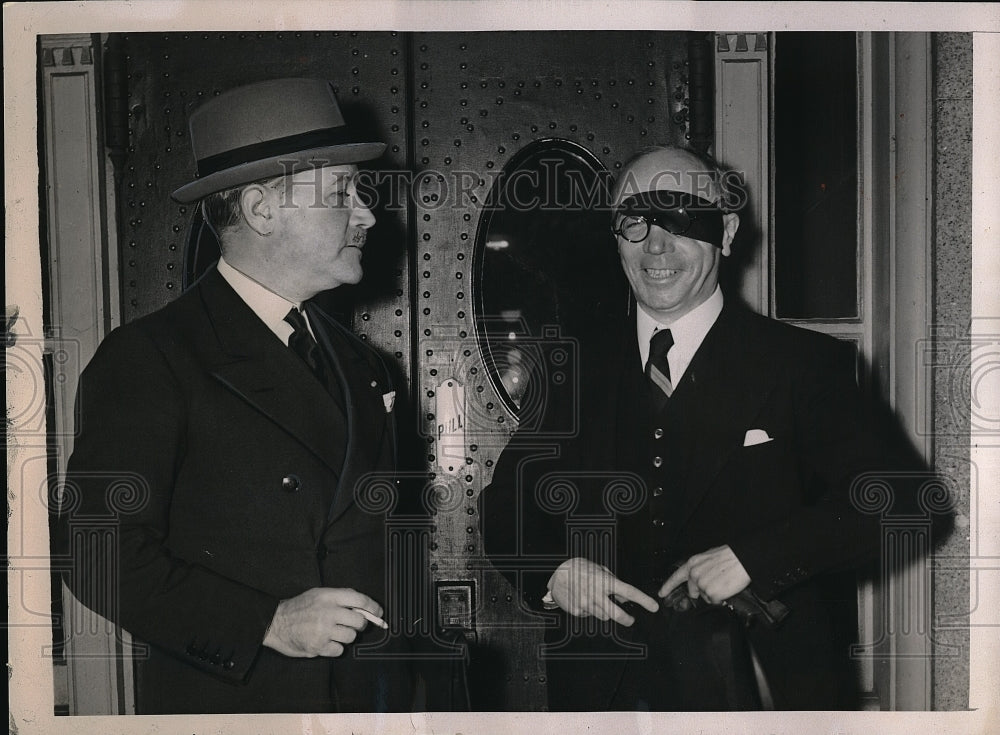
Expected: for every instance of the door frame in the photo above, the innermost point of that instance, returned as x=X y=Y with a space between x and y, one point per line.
x=895 y=237
x=83 y=306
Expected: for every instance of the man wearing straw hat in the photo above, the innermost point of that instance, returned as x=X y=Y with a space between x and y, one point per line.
x=228 y=439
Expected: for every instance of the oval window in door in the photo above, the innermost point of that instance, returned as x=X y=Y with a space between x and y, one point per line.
x=545 y=271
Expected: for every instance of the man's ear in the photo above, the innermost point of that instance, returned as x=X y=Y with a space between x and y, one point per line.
x=730 y=223
x=255 y=204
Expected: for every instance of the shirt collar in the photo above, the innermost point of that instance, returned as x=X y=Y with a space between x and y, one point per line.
x=270 y=307
x=688 y=331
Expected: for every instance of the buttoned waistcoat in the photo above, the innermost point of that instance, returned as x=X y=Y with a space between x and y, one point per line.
x=786 y=506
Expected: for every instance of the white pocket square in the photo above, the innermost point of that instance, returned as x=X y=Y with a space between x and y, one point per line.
x=389 y=399
x=756 y=436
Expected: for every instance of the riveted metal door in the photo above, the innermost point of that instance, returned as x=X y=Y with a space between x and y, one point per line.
x=479 y=99
x=454 y=109
x=166 y=75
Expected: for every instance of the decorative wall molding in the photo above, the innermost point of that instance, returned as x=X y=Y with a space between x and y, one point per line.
x=741 y=42
x=67 y=56
x=742 y=142
x=83 y=304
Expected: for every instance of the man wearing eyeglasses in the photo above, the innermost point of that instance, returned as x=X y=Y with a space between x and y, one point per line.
x=711 y=491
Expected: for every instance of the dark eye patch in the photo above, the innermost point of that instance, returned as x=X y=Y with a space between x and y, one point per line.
x=677 y=212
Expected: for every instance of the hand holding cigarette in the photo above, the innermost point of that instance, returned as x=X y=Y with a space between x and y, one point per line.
x=321 y=622
x=372 y=618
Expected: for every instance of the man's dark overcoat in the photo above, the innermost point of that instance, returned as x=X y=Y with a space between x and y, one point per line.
x=213 y=476
x=766 y=445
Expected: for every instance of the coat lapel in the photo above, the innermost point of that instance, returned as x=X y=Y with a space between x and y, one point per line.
x=609 y=360
x=253 y=364
x=632 y=399
x=363 y=384
x=722 y=391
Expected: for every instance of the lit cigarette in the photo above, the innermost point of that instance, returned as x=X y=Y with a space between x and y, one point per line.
x=372 y=618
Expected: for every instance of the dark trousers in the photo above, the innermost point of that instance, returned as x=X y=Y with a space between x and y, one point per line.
x=697 y=661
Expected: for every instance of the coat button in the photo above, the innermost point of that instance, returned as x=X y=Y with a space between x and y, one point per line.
x=290 y=483
x=657 y=461
x=657 y=433
x=657 y=491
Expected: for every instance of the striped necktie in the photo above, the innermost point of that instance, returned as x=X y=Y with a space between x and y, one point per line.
x=658 y=369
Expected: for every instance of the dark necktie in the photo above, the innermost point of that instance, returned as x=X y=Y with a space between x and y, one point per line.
x=658 y=369
x=302 y=342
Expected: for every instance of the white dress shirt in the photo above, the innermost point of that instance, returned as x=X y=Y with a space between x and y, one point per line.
x=688 y=332
x=270 y=308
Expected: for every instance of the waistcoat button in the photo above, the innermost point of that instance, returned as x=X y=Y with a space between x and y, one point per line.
x=657 y=461
x=290 y=483
x=657 y=433
x=657 y=491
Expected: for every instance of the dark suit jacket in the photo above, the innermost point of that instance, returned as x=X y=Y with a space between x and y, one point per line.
x=213 y=476
x=784 y=506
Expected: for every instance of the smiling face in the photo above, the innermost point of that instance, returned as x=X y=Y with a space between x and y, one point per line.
x=671 y=274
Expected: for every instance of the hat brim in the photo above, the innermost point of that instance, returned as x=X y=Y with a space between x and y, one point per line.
x=281 y=165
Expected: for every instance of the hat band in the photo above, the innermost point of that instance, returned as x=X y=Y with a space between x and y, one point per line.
x=290 y=144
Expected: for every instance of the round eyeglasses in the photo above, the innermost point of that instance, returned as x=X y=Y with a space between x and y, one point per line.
x=635 y=228
x=675 y=212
